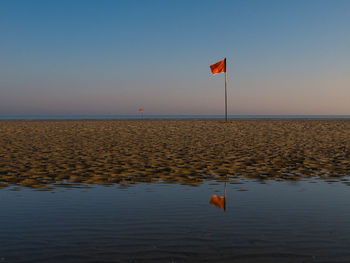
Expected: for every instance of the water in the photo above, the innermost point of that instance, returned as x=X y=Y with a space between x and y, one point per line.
x=165 y=117
x=303 y=221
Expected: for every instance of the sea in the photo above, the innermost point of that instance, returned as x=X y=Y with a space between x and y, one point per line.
x=166 y=117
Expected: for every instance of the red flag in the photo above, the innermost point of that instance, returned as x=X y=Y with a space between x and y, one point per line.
x=219 y=67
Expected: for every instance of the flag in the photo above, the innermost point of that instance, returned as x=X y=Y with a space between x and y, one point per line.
x=219 y=67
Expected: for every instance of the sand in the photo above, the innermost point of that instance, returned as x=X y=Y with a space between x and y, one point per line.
x=49 y=153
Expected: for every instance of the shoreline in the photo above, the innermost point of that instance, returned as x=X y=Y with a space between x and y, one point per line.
x=171 y=117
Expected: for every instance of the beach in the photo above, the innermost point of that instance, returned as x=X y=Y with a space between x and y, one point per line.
x=143 y=191
x=44 y=154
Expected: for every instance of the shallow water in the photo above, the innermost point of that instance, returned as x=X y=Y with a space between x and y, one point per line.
x=303 y=221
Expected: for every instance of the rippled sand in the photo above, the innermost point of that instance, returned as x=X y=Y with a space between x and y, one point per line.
x=42 y=153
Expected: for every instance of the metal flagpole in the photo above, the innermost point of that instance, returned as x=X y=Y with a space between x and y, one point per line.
x=225 y=92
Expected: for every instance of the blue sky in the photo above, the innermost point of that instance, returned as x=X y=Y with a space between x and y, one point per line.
x=112 y=57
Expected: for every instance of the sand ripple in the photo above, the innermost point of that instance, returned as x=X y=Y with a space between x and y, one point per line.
x=42 y=153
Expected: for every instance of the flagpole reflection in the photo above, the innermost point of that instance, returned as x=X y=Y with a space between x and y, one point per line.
x=219 y=201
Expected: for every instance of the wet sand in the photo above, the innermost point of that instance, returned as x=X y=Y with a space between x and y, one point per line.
x=40 y=154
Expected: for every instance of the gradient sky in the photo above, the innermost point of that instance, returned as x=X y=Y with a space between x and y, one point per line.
x=111 y=57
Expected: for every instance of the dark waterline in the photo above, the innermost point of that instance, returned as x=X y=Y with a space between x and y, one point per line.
x=166 y=117
x=302 y=221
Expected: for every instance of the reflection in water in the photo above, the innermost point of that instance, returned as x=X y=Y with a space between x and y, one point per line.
x=219 y=201
x=110 y=224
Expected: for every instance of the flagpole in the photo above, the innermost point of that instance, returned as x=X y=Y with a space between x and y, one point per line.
x=225 y=92
x=220 y=67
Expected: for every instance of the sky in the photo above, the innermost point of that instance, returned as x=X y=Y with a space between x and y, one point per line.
x=112 y=57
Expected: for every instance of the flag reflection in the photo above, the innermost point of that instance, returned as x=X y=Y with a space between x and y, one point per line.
x=219 y=201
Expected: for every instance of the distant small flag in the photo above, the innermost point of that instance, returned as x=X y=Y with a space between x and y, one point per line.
x=141 y=109
x=219 y=67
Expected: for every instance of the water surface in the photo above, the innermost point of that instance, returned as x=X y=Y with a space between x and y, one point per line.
x=303 y=221
x=165 y=117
